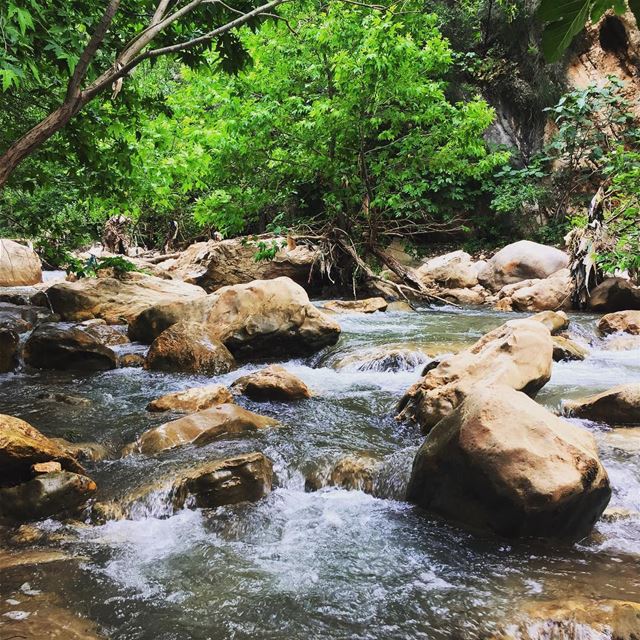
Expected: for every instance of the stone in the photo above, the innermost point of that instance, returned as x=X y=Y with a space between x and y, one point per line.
x=522 y=260
x=223 y=420
x=46 y=467
x=108 y=335
x=85 y=451
x=614 y=294
x=501 y=462
x=19 y=265
x=74 y=401
x=54 y=346
x=355 y=473
x=624 y=321
x=272 y=383
x=22 y=446
x=29 y=296
x=189 y=347
x=367 y=305
x=555 y=321
x=455 y=270
x=46 y=495
x=22 y=317
x=9 y=349
x=131 y=360
x=264 y=318
x=117 y=300
x=192 y=400
x=566 y=349
x=387 y=358
x=517 y=355
x=474 y=297
x=553 y=293
x=617 y=406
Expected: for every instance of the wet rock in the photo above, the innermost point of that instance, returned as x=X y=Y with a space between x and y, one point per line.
x=221 y=421
x=615 y=294
x=192 y=400
x=53 y=346
x=32 y=296
x=400 y=306
x=355 y=473
x=189 y=347
x=22 y=446
x=116 y=300
x=46 y=495
x=272 y=383
x=501 y=462
x=455 y=270
x=567 y=349
x=391 y=358
x=85 y=451
x=475 y=296
x=552 y=293
x=264 y=318
x=22 y=318
x=108 y=335
x=368 y=305
x=19 y=265
x=517 y=355
x=521 y=260
x=555 y=321
x=131 y=360
x=76 y=401
x=9 y=349
x=617 y=406
x=625 y=321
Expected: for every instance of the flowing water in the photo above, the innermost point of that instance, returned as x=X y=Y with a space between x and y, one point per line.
x=326 y=564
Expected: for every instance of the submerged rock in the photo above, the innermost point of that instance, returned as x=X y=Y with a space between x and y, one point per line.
x=19 y=265
x=75 y=401
x=615 y=294
x=9 y=349
x=501 y=462
x=272 y=383
x=192 y=400
x=355 y=473
x=455 y=270
x=367 y=305
x=517 y=355
x=190 y=347
x=625 y=321
x=220 y=421
x=617 y=406
x=387 y=358
x=109 y=335
x=131 y=360
x=53 y=346
x=91 y=451
x=567 y=349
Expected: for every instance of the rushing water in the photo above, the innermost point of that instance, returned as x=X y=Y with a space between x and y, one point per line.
x=327 y=564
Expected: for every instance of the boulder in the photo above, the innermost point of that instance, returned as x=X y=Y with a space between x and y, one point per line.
x=475 y=296
x=555 y=321
x=117 y=300
x=355 y=473
x=49 y=494
x=107 y=334
x=615 y=294
x=455 y=270
x=388 y=358
x=264 y=318
x=625 y=321
x=130 y=360
x=272 y=383
x=368 y=305
x=22 y=446
x=192 y=400
x=189 y=347
x=500 y=462
x=9 y=349
x=223 y=420
x=54 y=346
x=567 y=349
x=216 y=264
x=517 y=355
x=617 y=406
x=552 y=293
x=522 y=260
x=19 y=265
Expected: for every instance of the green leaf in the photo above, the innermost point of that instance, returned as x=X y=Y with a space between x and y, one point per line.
x=566 y=19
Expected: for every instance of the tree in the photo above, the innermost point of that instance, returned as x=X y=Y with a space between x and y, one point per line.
x=120 y=40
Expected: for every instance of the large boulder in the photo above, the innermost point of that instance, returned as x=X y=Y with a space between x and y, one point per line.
x=223 y=420
x=56 y=346
x=216 y=264
x=620 y=405
x=625 y=321
x=117 y=300
x=9 y=349
x=262 y=318
x=615 y=294
x=522 y=260
x=517 y=355
x=551 y=293
x=455 y=270
x=272 y=383
x=192 y=400
x=19 y=265
x=475 y=296
x=367 y=305
x=189 y=347
x=501 y=462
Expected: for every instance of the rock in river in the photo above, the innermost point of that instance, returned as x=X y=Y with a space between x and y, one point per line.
x=367 y=305
x=615 y=294
x=620 y=405
x=272 y=383
x=566 y=349
x=455 y=270
x=625 y=321
x=503 y=463
x=192 y=400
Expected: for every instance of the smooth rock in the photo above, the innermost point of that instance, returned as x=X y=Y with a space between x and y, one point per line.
x=192 y=400
x=614 y=294
x=624 y=321
x=566 y=349
x=368 y=305
x=474 y=297
x=617 y=406
x=272 y=383
x=501 y=462
x=552 y=293
x=555 y=321
x=19 y=265
x=455 y=270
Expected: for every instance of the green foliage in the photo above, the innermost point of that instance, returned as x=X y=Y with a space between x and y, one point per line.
x=91 y=267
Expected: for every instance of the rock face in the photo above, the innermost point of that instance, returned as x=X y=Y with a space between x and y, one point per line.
x=216 y=264
x=552 y=293
x=617 y=406
x=521 y=260
x=502 y=463
x=53 y=346
x=189 y=347
x=566 y=349
x=220 y=421
x=9 y=349
x=272 y=383
x=615 y=294
x=517 y=355
x=454 y=270
x=368 y=305
x=262 y=318
x=625 y=321
x=117 y=301
x=19 y=265
x=192 y=400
